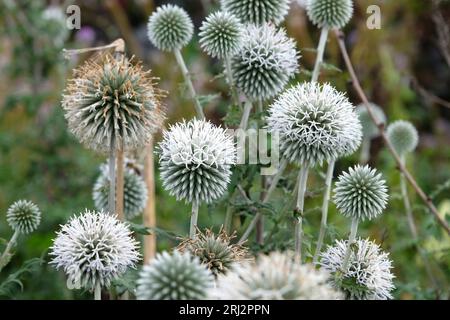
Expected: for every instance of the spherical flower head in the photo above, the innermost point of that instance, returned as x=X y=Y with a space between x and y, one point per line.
x=370 y=130
x=316 y=123
x=276 y=276
x=216 y=252
x=403 y=136
x=176 y=276
x=134 y=190
x=258 y=11
x=170 y=28
x=368 y=276
x=266 y=62
x=23 y=216
x=195 y=161
x=112 y=99
x=93 y=249
x=221 y=35
x=361 y=193
x=330 y=14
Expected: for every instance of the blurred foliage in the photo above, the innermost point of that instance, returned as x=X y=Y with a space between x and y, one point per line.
x=401 y=66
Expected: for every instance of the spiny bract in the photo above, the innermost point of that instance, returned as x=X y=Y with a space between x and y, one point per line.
x=257 y=11
x=403 y=136
x=93 y=249
x=368 y=276
x=134 y=191
x=276 y=276
x=174 y=276
x=23 y=216
x=170 y=28
x=265 y=63
x=316 y=123
x=112 y=99
x=370 y=130
x=195 y=161
x=221 y=35
x=361 y=193
x=330 y=14
x=215 y=251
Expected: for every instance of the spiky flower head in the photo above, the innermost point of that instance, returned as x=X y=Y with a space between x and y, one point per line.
x=277 y=276
x=331 y=14
x=176 y=276
x=316 y=123
x=370 y=130
x=361 y=193
x=265 y=63
x=368 y=276
x=403 y=136
x=23 y=216
x=258 y=11
x=93 y=249
x=112 y=99
x=134 y=190
x=221 y=35
x=215 y=251
x=195 y=161
x=170 y=28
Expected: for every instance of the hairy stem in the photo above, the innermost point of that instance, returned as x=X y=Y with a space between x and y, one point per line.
x=246 y=115
x=6 y=255
x=150 y=209
x=120 y=184
x=230 y=79
x=112 y=176
x=365 y=151
x=351 y=241
x=98 y=291
x=320 y=53
x=194 y=218
x=299 y=209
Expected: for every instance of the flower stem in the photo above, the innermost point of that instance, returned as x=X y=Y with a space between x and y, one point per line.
x=299 y=209
x=120 y=183
x=112 y=176
x=230 y=79
x=320 y=53
x=189 y=84
x=6 y=256
x=326 y=200
x=365 y=151
x=98 y=291
x=149 y=218
x=351 y=241
x=194 y=218
x=245 y=115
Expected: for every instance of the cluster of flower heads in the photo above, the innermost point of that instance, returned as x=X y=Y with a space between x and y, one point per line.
x=368 y=276
x=277 y=276
x=316 y=123
x=195 y=161
x=23 y=216
x=93 y=249
x=257 y=11
x=112 y=100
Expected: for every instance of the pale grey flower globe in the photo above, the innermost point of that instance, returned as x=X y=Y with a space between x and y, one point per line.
x=195 y=161
x=369 y=275
x=315 y=122
x=268 y=59
x=170 y=28
x=331 y=14
x=23 y=216
x=221 y=35
x=93 y=249
x=174 y=276
x=370 y=130
x=134 y=191
x=361 y=193
x=403 y=136
x=258 y=11
x=276 y=276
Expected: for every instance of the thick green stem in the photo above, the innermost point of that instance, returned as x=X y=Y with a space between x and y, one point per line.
x=194 y=218
x=320 y=53
x=6 y=256
x=112 y=177
x=365 y=151
x=351 y=241
x=189 y=84
x=98 y=292
x=326 y=200
x=299 y=209
x=228 y=219
x=246 y=115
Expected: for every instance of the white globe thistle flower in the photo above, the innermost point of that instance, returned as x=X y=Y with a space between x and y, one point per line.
x=23 y=216
x=258 y=11
x=267 y=60
x=361 y=193
x=316 y=123
x=170 y=28
x=134 y=190
x=174 y=276
x=403 y=136
x=330 y=14
x=370 y=130
x=368 y=276
x=195 y=161
x=93 y=249
x=274 y=277
x=221 y=35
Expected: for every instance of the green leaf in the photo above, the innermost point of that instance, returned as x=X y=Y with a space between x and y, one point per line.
x=139 y=229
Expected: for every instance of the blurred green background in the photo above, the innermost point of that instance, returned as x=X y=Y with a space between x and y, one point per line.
x=404 y=67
